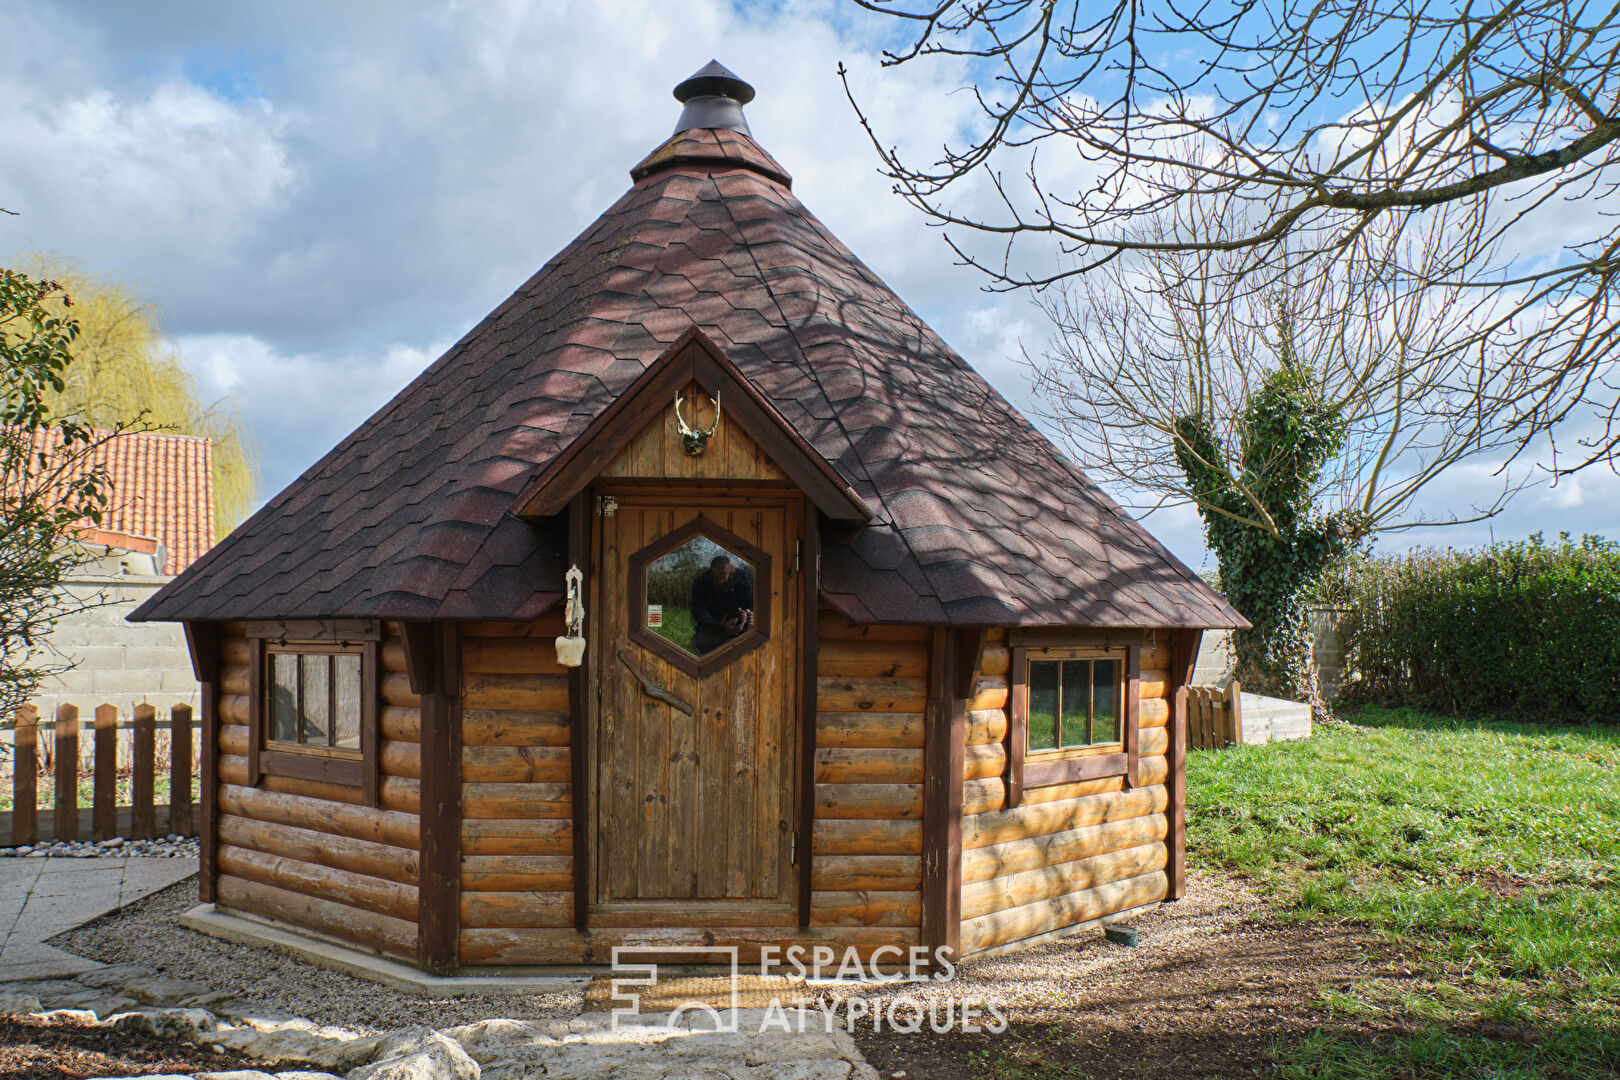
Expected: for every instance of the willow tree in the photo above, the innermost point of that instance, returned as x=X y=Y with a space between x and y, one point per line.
x=125 y=373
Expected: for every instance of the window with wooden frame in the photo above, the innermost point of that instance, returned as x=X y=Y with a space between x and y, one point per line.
x=313 y=709
x=1072 y=716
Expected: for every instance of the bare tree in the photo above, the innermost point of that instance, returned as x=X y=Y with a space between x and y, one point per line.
x=1307 y=124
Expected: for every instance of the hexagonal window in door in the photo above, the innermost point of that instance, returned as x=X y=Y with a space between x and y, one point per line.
x=700 y=596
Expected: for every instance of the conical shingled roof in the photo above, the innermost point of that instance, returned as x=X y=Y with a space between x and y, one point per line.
x=977 y=519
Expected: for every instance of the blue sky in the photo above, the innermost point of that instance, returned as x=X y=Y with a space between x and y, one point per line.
x=319 y=198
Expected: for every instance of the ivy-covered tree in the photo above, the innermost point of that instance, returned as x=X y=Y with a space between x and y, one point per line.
x=49 y=486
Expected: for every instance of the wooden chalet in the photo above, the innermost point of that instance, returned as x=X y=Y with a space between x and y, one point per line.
x=866 y=662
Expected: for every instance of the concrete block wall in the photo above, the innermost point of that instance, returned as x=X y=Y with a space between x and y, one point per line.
x=1328 y=653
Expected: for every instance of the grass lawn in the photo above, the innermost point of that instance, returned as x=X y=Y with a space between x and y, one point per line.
x=45 y=794
x=1487 y=853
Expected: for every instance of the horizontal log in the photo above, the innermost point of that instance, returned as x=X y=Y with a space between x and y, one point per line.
x=516 y=800
x=1040 y=819
x=870 y=695
x=401 y=722
x=309 y=845
x=401 y=794
x=1048 y=882
x=1152 y=770
x=312 y=879
x=236 y=650
x=879 y=660
x=1055 y=849
x=873 y=729
x=358 y=822
x=515 y=764
x=233 y=769
x=233 y=679
x=549 y=625
x=517 y=873
x=985 y=726
x=868 y=765
x=895 y=836
x=997 y=659
x=233 y=708
x=517 y=727
x=869 y=800
x=510 y=656
x=1153 y=713
x=1152 y=742
x=693 y=913
x=485 y=909
x=834 y=627
x=233 y=739
x=396 y=690
x=548 y=693
x=383 y=933
x=1154 y=683
x=541 y=836
x=1015 y=924
x=401 y=759
x=866 y=908
x=989 y=692
x=984 y=760
x=392 y=654
x=539 y=945
x=883 y=872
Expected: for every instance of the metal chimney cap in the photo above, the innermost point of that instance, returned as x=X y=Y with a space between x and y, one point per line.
x=714 y=80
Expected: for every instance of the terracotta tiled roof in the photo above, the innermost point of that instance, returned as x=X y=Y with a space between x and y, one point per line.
x=979 y=520
x=161 y=489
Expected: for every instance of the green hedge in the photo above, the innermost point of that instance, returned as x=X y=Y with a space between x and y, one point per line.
x=1526 y=629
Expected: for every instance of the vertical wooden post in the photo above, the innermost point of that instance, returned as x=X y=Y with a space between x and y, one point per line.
x=104 y=801
x=1183 y=659
x=810 y=649
x=579 y=683
x=434 y=650
x=944 y=753
x=203 y=641
x=65 y=819
x=180 y=770
x=1133 y=713
x=25 y=778
x=143 y=766
x=1234 y=698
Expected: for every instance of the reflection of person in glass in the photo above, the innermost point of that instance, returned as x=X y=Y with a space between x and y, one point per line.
x=722 y=604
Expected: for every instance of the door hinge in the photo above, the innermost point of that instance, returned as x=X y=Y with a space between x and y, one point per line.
x=797 y=545
x=606 y=506
x=793 y=849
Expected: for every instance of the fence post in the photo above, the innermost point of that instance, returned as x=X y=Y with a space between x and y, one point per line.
x=1235 y=697
x=65 y=817
x=104 y=803
x=25 y=778
x=180 y=770
x=144 y=769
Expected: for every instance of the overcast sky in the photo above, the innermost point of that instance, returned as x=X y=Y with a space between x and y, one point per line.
x=321 y=197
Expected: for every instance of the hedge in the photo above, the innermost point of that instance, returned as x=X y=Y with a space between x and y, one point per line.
x=1525 y=629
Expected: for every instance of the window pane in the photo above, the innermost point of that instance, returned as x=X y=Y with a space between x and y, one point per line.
x=1105 y=702
x=284 y=697
x=317 y=718
x=1076 y=691
x=700 y=596
x=1043 y=704
x=347 y=692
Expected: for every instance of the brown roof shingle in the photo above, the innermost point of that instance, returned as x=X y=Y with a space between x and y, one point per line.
x=978 y=519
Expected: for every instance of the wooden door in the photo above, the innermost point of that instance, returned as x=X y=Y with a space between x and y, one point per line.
x=696 y=733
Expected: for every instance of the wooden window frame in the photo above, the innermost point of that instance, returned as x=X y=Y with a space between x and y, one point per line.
x=326 y=765
x=756 y=635
x=1070 y=764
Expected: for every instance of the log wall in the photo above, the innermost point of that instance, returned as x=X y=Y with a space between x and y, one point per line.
x=1070 y=852
x=311 y=854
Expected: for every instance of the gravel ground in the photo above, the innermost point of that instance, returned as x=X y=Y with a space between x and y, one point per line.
x=60 y=1048
x=148 y=932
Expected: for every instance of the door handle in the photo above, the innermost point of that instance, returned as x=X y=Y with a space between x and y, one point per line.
x=651 y=687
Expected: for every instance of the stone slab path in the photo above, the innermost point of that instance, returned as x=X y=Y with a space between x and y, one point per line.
x=40 y=898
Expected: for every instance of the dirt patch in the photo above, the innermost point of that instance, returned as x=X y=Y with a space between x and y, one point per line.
x=1212 y=984
x=67 y=1049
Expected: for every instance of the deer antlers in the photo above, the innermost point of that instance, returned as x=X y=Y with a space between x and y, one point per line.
x=696 y=440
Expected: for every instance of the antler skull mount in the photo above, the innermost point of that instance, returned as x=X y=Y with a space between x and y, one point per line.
x=696 y=440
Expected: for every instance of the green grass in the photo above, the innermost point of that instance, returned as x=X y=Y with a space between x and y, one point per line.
x=1487 y=854
x=45 y=796
x=678 y=626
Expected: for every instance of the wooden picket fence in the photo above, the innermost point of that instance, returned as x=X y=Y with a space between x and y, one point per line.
x=141 y=818
x=1214 y=716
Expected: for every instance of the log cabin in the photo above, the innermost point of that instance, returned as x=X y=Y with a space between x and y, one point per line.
x=700 y=596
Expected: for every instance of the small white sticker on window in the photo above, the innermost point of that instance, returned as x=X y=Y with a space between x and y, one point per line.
x=655 y=614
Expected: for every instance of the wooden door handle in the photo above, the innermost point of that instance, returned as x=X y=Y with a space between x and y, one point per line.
x=651 y=687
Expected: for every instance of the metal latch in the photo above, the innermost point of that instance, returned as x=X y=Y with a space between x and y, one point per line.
x=606 y=506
